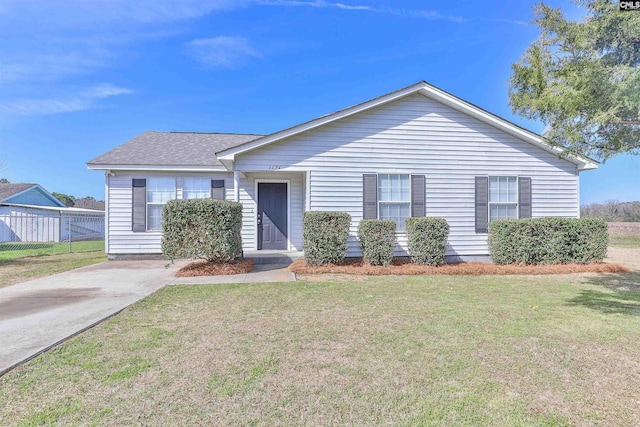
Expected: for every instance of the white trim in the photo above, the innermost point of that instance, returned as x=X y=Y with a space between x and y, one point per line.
x=256 y=181
x=425 y=89
x=307 y=190
x=107 y=174
x=516 y=203
x=236 y=186
x=579 y=213
x=61 y=209
x=397 y=202
x=158 y=168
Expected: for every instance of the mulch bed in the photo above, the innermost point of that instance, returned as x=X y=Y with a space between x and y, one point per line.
x=405 y=267
x=204 y=268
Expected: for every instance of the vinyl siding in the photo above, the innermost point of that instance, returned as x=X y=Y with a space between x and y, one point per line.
x=121 y=239
x=418 y=135
x=33 y=196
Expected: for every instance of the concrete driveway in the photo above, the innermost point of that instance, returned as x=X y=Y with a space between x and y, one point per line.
x=38 y=314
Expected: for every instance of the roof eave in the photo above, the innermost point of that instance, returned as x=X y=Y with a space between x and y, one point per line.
x=170 y=168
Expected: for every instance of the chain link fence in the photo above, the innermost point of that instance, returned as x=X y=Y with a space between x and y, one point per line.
x=32 y=232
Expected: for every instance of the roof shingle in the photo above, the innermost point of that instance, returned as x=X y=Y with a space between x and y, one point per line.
x=8 y=190
x=172 y=149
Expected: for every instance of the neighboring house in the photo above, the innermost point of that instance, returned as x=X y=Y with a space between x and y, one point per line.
x=413 y=152
x=29 y=213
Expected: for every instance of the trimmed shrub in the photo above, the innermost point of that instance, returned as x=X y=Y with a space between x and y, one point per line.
x=427 y=240
x=548 y=240
x=377 y=240
x=202 y=228
x=325 y=236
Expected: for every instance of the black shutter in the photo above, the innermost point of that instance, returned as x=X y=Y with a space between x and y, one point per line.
x=418 y=195
x=369 y=196
x=139 y=205
x=217 y=189
x=482 y=204
x=524 y=197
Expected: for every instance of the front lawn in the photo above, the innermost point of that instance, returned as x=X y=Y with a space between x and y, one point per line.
x=15 y=250
x=438 y=350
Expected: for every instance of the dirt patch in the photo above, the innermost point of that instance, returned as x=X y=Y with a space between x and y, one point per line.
x=204 y=268
x=404 y=267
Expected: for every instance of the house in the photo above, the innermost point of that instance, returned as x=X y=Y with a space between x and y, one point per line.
x=413 y=152
x=29 y=213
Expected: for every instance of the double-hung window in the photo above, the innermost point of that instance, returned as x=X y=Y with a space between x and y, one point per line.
x=196 y=188
x=159 y=192
x=394 y=198
x=503 y=197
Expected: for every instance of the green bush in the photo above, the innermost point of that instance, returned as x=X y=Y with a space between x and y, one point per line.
x=377 y=240
x=427 y=240
x=325 y=236
x=548 y=240
x=202 y=228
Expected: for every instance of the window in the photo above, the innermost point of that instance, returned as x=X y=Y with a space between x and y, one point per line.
x=503 y=197
x=196 y=188
x=159 y=192
x=394 y=198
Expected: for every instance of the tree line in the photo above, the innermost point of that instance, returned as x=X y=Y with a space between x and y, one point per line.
x=613 y=211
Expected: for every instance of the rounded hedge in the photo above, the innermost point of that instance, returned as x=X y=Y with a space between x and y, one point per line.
x=427 y=238
x=377 y=240
x=202 y=228
x=325 y=236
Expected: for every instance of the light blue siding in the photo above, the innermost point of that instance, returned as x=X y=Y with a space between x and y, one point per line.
x=33 y=196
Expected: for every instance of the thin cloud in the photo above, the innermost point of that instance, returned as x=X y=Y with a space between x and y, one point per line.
x=222 y=51
x=416 y=13
x=85 y=100
x=315 y=3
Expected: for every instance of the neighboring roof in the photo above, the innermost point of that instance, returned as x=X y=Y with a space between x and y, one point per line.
x=12 y=191
x=58 y=209
x=189 y=150
x=8 y=190
x=227 y=156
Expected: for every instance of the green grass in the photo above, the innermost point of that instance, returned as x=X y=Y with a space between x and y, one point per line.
x=15 y=250
x=21 y=269
x=445 y=350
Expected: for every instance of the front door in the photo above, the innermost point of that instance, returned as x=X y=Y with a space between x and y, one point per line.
x=272 y=215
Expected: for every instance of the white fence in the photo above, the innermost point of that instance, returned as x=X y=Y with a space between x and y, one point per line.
x=28 y=226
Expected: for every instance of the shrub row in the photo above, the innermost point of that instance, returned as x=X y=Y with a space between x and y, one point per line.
x=325 y=239
x=548 y=240
x=202 y=228
x=325 y=236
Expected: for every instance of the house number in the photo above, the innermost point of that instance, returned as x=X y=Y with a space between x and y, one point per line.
x=274 y=167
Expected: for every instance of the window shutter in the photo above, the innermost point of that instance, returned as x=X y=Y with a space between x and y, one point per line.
x=217 y=189
x=482 y=204
x=139 y=205
x=418 y=195
x=369 y=196
x=524 y=197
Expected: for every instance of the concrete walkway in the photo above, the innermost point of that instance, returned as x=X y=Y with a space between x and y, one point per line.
x=38 y=314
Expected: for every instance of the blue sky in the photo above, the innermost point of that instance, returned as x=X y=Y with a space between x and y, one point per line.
x=78 y=77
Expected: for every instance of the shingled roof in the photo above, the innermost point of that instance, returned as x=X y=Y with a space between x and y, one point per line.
x=8 y=190
x=172 y=149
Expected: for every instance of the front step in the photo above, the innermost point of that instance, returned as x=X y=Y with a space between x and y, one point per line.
x=273 y=257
